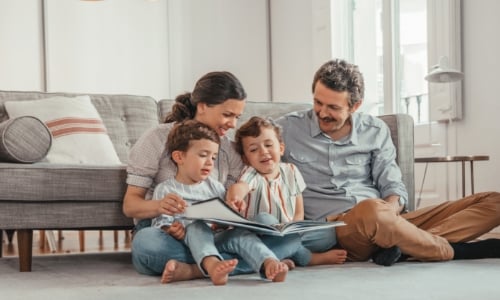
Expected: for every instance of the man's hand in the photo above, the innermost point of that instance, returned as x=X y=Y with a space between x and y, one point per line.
x=394 y=201
x=176 y=230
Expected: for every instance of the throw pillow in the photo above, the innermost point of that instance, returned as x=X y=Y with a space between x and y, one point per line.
x=79 y=135
x=24 y=140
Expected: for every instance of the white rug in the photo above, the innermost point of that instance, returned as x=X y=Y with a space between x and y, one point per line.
x=111 y=276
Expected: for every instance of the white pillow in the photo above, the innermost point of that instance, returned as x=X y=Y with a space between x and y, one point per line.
x=79 y=135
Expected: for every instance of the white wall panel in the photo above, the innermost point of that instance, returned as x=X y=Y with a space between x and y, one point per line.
x=112 y=46
x=20 y=45
x=214 y=35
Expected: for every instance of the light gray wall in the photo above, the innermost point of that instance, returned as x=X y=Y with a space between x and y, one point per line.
x=479 y=131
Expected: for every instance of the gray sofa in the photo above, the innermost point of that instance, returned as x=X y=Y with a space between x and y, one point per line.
x=50 y=196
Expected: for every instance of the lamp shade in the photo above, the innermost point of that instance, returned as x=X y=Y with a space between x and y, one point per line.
x=443 y=73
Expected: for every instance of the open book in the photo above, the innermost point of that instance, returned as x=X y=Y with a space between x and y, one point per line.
x=216 y=211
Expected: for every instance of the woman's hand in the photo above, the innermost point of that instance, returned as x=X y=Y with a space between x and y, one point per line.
x=171 y=204
x=176 y=230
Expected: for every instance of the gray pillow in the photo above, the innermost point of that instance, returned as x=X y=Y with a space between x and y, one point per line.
x=24 y=139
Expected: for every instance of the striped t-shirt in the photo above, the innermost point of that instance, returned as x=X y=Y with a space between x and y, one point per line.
x=276 y=197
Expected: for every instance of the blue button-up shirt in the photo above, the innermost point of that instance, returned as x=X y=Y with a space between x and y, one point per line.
x=341 y=173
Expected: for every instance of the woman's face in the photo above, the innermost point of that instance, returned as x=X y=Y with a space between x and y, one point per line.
x=220 y=117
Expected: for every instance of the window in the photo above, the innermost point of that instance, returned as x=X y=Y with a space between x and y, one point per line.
x=388 y=41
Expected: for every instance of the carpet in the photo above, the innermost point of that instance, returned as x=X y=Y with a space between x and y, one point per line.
x=111 y=276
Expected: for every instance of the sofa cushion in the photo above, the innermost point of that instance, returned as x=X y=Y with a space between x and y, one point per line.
x=47 y=182
x=79 y=134
x=24 y=140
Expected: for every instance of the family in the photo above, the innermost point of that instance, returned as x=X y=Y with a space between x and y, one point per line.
x=329 y=163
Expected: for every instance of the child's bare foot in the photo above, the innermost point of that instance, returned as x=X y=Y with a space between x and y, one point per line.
x=290 y=264
x=219 y=270
x=178 y=271
x=331 y=257
x=275 y=270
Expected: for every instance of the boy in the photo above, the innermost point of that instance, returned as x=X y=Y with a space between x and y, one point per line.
x=269 y=186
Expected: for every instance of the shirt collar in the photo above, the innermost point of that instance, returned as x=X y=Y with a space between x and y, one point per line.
x=352 y=138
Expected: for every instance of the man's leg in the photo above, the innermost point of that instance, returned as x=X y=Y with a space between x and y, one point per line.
x=461 y=220
x=373 y=223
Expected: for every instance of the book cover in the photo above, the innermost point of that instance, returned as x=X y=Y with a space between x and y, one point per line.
x=215 y=210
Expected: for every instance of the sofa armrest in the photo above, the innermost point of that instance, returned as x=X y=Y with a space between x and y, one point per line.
x=401 y=127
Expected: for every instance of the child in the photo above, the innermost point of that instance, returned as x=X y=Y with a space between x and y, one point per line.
x=269 y=186
x=193 y=146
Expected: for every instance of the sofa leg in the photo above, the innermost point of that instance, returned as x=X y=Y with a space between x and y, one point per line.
x=10 y=235
x=24 y=246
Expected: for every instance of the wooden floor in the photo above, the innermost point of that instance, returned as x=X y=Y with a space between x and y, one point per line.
x=69 y=242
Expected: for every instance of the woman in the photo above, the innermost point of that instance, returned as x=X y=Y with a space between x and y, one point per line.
x=217 y=101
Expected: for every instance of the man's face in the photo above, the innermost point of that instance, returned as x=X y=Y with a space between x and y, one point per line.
x=332 y=109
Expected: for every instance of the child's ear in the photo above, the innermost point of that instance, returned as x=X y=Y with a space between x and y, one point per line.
x=282 y=149
x=177 y=156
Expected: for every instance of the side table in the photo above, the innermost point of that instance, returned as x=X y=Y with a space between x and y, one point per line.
x=447 y=159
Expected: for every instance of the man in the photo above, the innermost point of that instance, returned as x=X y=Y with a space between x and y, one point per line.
x=348 y=162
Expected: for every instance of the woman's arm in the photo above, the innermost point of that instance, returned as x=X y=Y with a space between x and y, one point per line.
x=136 y=206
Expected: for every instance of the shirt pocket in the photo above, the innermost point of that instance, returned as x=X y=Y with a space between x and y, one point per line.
x=358 y=165
x=302 y=158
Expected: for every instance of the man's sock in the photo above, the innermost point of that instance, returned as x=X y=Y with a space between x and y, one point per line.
x=474 y=250
x=387 y=256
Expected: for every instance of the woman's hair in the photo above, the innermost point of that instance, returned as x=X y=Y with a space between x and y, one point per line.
x=340 y=76
x=212 y=89
x=253 y=128
x=183 y=133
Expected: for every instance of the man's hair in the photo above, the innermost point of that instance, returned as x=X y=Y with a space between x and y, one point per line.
x=183 y=133
x=253 y=128
x=340 y=76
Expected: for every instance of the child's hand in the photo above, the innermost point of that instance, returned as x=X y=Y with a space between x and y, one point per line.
x=238 y=205
x=172 y=204
x=235 y=195
x=176 y=230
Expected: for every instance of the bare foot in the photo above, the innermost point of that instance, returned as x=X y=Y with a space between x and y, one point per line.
x=219 y=270
x=290 y=264
x=275 y=270
x=178 y=271
x=331 y=257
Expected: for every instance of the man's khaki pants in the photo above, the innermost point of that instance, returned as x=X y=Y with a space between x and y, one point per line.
x=423 y=234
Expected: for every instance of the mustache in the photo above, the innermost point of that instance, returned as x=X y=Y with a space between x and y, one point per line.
x=326 y=119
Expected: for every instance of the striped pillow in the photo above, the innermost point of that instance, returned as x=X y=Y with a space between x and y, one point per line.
x=79 y=135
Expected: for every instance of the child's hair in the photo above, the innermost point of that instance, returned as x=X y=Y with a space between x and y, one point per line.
x=253 y=128
x=183 y=133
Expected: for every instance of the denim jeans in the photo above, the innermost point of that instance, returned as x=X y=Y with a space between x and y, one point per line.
x=152 y=248
x=311 y=241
